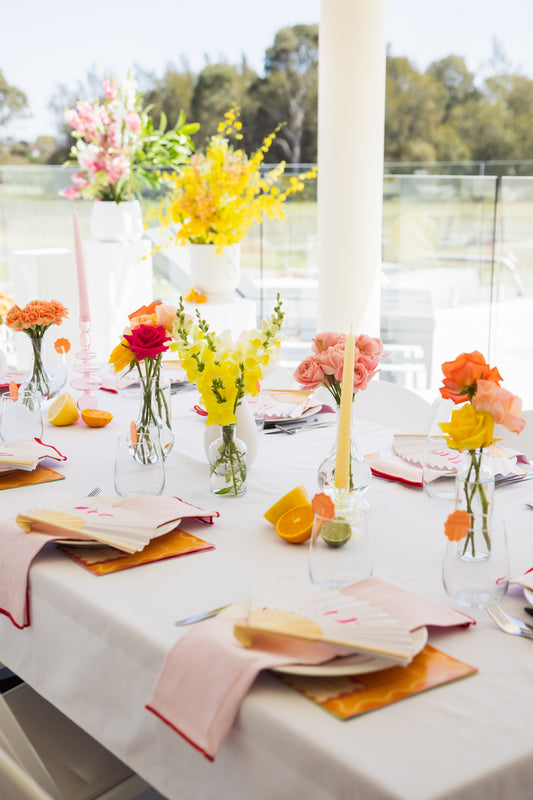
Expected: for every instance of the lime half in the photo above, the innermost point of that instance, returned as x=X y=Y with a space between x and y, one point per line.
x=336 y=532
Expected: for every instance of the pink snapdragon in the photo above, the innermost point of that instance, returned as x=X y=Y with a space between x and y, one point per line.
x=133 y=121
x=110 y=90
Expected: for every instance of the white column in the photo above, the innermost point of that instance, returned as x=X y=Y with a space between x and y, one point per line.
x=351 y=116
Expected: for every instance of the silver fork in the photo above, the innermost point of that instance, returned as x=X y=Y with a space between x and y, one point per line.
x=94 y=492
x=506 y=623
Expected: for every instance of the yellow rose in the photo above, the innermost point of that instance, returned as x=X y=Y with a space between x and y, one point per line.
x=468 y=428
x=121 y=356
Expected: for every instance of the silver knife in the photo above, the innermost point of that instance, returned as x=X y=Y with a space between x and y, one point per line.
x=204 y=615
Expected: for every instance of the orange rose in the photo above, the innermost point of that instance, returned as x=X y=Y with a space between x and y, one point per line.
x=144 y=310
x=461 y=376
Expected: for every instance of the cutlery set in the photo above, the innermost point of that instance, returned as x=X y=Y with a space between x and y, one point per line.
x=509 y=624
x=290 y=428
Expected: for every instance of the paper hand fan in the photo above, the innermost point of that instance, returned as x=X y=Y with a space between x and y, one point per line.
x=288 y=607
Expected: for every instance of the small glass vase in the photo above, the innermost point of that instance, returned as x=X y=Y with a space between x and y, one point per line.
x=475 y=569
x=38 y=381
x=474 y=485
x=227 y=458
x=359 y=472
x=155 y=405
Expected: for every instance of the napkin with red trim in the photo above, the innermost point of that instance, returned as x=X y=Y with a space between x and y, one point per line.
x=27 y=454
x=207 y=674
x=19 y=549
x=525 y=579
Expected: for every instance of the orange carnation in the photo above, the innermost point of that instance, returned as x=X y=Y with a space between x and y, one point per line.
x=61 y=345
x=323 y=505
x=457 y=525
x=461 y=376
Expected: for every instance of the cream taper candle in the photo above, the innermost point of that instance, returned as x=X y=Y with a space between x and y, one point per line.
x=344 y=437
x=82 y=283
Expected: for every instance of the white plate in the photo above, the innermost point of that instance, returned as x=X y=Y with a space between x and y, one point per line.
x=357 y=664
x=528 y=594
x=271 y=421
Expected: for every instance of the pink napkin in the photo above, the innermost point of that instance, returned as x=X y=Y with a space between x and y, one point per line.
x=18 y=549
x=525 y=579
x=207 y=674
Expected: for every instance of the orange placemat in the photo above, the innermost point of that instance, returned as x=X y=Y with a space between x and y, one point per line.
x=350 y=696
x=103 y=560
x=23 y=477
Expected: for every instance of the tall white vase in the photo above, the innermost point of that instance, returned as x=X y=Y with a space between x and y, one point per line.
x=216 y=275
x=246 y=431
x=119 y=271
x=116 y=222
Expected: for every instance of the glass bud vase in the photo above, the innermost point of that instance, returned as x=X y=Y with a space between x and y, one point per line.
x=227 y=459
x=474 y=485
x=38 y=381
x=155 y=411
x=475 y=569
x=359 y=472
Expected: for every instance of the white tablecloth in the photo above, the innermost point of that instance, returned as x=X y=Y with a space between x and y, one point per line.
x=96 y=644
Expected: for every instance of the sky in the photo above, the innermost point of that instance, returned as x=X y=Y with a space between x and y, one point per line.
x=58 y=42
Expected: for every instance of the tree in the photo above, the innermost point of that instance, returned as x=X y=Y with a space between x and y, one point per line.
x=13 y=101
x=415 y=108
x=170 y=94
x=288 y=94
x=218 y=88
x=453 y=74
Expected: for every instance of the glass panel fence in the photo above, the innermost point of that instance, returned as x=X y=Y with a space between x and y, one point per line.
x=451 y=263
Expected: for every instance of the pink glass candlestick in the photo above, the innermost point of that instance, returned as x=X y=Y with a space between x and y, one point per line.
x=86 y=365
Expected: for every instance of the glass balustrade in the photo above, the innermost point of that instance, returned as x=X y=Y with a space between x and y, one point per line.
x=457 y=269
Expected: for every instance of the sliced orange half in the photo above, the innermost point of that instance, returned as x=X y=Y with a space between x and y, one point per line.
x=96 y=417
x=296 y=524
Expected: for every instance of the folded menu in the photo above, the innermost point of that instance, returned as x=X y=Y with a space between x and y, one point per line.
x=127 y=525
x=19 y=548
x=26 y=454
x=208 y=673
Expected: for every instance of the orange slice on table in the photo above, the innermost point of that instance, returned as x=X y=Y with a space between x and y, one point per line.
x=63 y=411
x=296 y=497
x=96 y=417
x=296 y=524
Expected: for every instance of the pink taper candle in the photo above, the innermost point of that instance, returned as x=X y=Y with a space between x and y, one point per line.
x=342 y=464
x=82 y=283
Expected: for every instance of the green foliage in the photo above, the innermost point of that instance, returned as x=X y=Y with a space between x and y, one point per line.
x=13 y=102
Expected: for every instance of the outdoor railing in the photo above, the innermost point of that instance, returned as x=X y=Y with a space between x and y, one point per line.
x=457 y=270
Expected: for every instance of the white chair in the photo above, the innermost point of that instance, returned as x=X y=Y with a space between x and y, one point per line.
x=393 y=405
x=45 y=756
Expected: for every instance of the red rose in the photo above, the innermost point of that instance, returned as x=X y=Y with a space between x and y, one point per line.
x=147 y=341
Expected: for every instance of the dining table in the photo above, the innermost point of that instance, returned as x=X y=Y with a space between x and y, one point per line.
x=96 y=643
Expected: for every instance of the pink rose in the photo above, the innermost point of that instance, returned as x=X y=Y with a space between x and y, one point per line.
x=370 y=362
x=323 y=341
x=368 y=345
x=504 y=406
x=309 y=373
x=147 y=341
x=332 y=360
x=361 y=377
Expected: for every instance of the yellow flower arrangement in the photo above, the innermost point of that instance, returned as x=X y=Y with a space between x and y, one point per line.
x=217 y=196
x=223 y=370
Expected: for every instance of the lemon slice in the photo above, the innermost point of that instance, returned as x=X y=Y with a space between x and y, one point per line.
x=63 y=410
x=296 y=497
x=336 y=532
